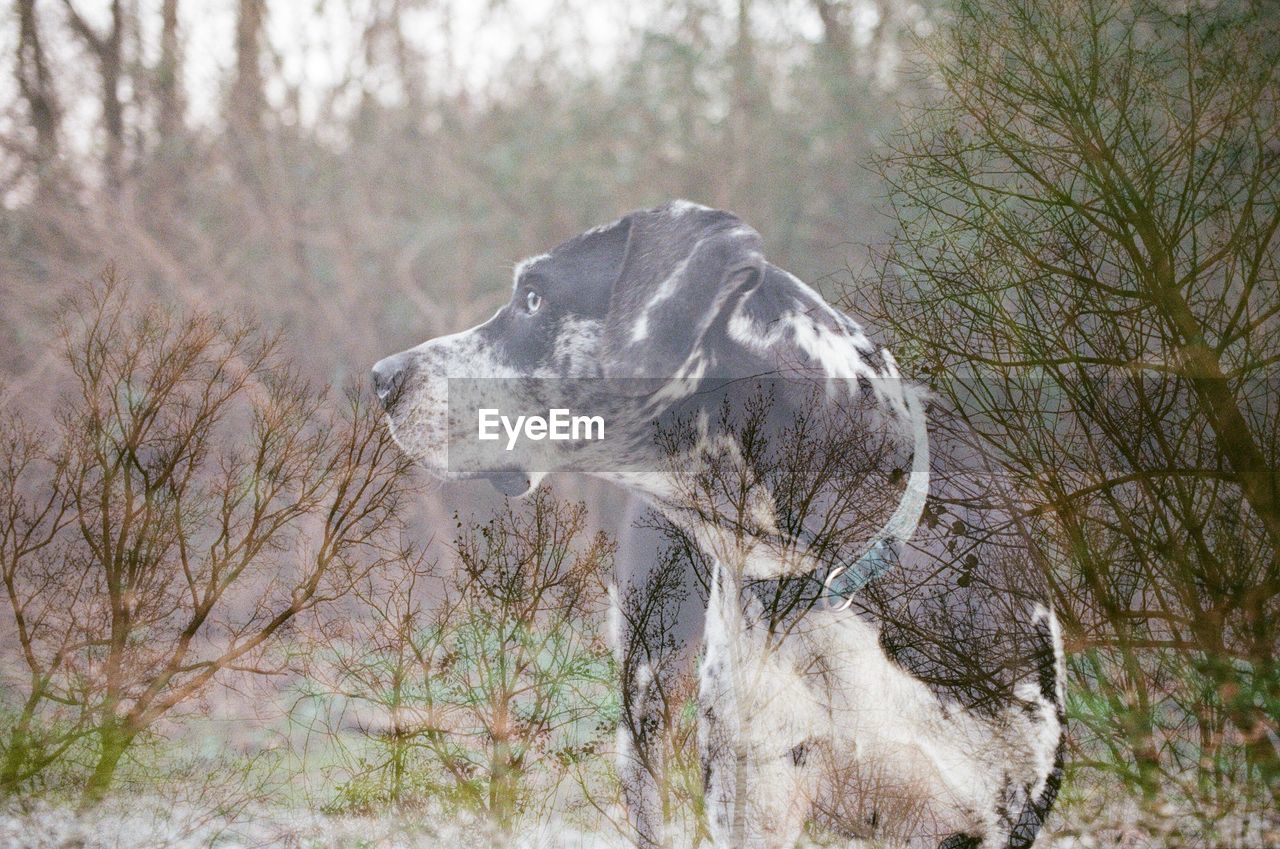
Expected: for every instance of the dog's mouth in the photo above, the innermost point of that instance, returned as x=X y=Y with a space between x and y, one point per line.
x=512 y=482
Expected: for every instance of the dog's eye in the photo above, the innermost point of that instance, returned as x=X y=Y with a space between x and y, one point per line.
x=532 y=301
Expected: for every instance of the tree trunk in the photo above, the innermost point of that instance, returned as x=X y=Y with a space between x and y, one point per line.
x=168 y=74
x=399 y=740
x=36 y=84
x=15 y=756
x=108 y=50
x=743 y=108
x=18 y=753
x=246 y=94
x=502 y=786
x=112 y=108
x=114 y=742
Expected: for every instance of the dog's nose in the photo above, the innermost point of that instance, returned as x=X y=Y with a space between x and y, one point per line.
x=388 y=380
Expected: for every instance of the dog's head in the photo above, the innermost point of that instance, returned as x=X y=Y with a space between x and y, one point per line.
x=629 y=302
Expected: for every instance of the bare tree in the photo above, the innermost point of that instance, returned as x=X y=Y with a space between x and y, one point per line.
x=530 y=672
x=1091 y=217
x=484 y=687
x=192 y=498
x=373 y=667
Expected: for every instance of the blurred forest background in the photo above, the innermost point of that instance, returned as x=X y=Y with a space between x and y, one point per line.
x=225 y=591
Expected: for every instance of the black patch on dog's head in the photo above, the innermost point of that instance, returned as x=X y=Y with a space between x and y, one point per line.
x=579 y=274
x=573 y=282
x=686 y=269
x=656 y=280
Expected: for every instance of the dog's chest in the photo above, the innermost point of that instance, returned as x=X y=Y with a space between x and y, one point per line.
x=821 y=680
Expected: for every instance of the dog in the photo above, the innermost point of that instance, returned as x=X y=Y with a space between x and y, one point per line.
x=823 y=543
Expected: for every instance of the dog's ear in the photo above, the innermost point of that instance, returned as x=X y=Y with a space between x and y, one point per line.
x=685 y=268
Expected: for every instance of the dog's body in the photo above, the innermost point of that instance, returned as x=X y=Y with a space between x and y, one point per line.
x=893 y=673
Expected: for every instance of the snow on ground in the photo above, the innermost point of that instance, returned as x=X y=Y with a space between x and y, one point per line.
x=158 y=824
x=153 y=826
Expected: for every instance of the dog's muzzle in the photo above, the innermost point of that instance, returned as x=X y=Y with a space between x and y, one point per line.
x=389 y=378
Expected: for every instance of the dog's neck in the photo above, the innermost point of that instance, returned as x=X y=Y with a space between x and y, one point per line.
x=762 y=551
